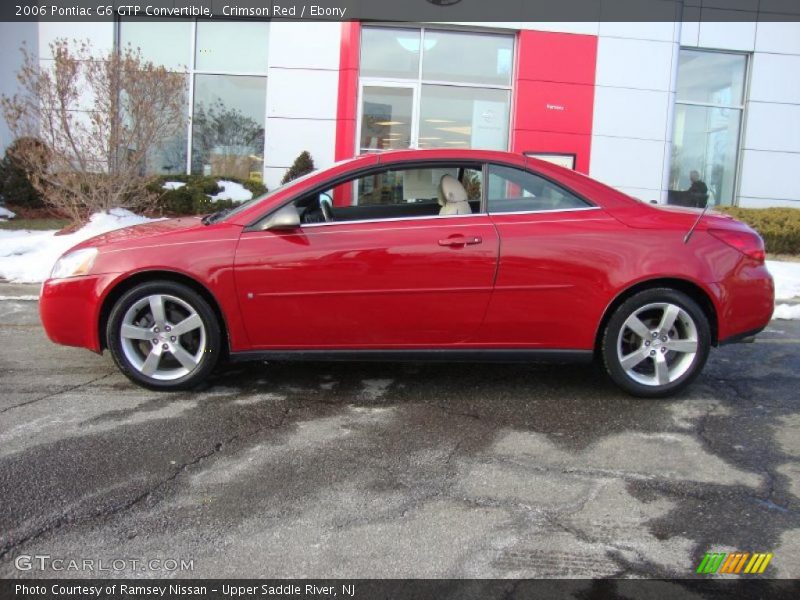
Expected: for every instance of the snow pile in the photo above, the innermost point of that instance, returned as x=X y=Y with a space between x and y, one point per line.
x=232 y=191
x=5 y=213
x=173 y=185
x=29 y=256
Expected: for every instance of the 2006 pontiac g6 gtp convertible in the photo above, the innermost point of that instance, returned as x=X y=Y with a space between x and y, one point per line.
x=419 y=255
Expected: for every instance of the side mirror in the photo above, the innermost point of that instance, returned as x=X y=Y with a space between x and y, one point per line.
x=285 y=218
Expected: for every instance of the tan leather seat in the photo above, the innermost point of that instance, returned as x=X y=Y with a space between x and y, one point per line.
x=453 y=197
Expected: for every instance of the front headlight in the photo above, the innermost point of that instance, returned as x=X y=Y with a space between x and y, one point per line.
x=74 y=263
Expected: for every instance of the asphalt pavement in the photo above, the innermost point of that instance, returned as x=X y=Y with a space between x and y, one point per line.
x=390 y=470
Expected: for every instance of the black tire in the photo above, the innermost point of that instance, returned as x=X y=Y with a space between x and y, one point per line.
x=213 y=336
x=611 y=337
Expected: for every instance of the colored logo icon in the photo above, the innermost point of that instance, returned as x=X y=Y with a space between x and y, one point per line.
x=736 y=563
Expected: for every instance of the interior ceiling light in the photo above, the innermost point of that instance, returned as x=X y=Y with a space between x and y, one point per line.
x=389 y=123
x=412 y=44
x=459 y=129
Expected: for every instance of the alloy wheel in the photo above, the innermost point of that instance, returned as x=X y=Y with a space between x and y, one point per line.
x=163 y=337
x=657 y=344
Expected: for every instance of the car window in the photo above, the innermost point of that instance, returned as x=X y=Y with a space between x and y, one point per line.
x=394 y=194
x=515 y=190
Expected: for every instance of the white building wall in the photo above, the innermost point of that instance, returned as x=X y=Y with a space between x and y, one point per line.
x=771 y=148
x=302 y=94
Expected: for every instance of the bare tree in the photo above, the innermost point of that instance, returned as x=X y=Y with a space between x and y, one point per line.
x=99 y=118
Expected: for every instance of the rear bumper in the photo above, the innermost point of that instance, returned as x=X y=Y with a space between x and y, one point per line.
x=747 y=301
x=70 y=310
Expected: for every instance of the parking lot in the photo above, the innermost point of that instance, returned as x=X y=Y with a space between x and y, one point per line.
x=388 y=470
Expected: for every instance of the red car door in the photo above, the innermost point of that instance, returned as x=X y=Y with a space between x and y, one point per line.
x=397 y=282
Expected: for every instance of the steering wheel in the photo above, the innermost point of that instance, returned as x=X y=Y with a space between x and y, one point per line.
x=326 y=206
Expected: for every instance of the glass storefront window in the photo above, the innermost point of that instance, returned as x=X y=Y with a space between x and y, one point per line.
x=170 y=156
x=228 y=125
x=232 y=46
x=711 y=77
x=390 y=52
x=705 y=140
x=480 y=58
x=164 y=43
x=458 y=96
x=386 y=118
x=706 y=131
x=226 y=133
x=463 y=117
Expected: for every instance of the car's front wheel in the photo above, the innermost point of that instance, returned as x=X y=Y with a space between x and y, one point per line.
x=163 y=335
x=656 y=343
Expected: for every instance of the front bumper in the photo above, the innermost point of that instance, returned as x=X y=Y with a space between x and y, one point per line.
x=70 y=310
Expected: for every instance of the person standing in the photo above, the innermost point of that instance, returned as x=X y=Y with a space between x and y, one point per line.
x=698 y=190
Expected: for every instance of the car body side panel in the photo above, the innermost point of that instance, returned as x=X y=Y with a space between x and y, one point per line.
x=549 y=292
x=558 y=274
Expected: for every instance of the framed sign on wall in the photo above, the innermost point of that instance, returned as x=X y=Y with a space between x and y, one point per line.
x=562 y=159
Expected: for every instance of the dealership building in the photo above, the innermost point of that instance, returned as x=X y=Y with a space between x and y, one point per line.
x=639 y=106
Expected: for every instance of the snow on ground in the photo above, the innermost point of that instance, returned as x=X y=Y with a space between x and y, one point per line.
x=787 y=278
x=232 y=191
x=5 y=213
x=28 y=256
x=786 y=311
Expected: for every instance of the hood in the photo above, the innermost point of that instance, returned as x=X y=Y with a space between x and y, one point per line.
x=139 y=232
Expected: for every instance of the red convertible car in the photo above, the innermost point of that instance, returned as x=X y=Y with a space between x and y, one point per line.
x=419 y=255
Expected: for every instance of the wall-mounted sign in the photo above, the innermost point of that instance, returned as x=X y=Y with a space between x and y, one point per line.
x=562 y=159
x=489 y=124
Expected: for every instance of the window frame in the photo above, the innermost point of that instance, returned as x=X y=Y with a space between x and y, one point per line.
x=418 y=82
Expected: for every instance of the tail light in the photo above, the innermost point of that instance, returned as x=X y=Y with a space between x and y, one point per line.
x=748 y=243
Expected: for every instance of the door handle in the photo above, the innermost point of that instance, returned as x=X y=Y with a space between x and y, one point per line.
x=461 y=240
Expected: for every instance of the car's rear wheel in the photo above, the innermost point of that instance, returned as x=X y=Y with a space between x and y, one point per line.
x=163 y=335
x=656 y=343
